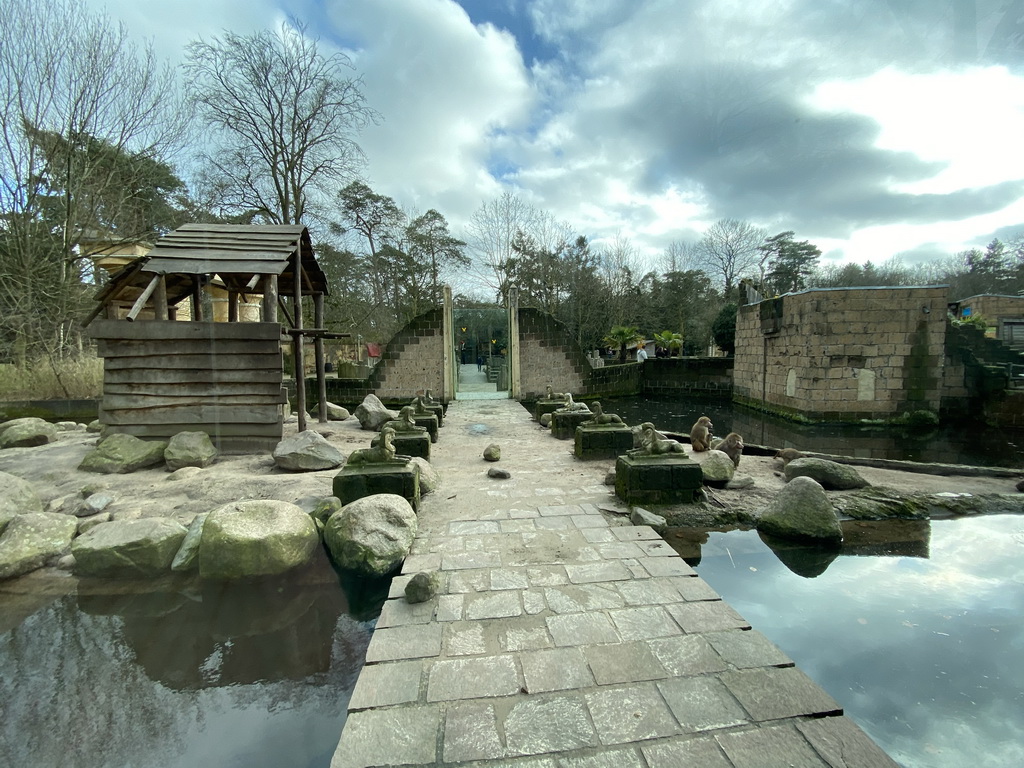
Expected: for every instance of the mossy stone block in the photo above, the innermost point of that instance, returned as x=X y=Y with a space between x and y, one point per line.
x=602 y=441
x=428 y=421
x=409 y=444
x=668 y=479
x=546 y=406
x=564 y=423
x=399 y=477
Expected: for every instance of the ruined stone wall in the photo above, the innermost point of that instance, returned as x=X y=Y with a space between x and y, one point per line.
x=843 y=354
x=548 y=356
x=688 y=376
x=992 y=307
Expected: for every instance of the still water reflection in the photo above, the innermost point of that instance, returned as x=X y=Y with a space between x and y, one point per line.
x=979 y=445
x=920 y=640
x=225 y=675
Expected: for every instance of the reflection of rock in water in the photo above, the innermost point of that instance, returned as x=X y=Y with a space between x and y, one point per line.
x=687 y=542
x=799 y=558
x=886 y=538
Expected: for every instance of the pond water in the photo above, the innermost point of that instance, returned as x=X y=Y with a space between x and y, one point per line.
x=914 y=628
x=223 y=675
x=979 y=445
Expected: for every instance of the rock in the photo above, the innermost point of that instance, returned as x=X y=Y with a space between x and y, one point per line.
x=640 y=516
x=609 y=478
x=93 y=504
x=128 y=549
x=190 y=449
x=326 y=507
x=876 y=503
x=119 y=454
x=66 y=563
x=801 y=511
x=334 y=412
x=499 y=474
x=545 y=419
x=372 y=414
x=187 y=556
x=422 y=586
x=740 y=482
x=259 y=537
x=32 y=540
x=27 y=432
x=87 y=523
x=1020 y=485
x=17 y=497
x=94 y=426
x=430 y=480
x=183 y=474
x=373 y=534
x=307 y=452
x=68 y=426
x=718 y=468
x=492 y=452
x=97 y=486
x=829 y=474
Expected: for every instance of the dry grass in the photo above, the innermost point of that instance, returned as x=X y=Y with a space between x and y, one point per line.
x=80 y=378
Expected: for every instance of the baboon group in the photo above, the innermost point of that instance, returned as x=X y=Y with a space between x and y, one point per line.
x=700 y=440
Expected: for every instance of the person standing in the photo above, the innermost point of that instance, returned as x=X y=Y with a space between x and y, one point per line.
x=641 y=353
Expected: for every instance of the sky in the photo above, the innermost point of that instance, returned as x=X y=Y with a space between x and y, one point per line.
x=871 y=128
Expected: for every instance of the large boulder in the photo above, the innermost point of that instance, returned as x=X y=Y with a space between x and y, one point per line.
x=334 y=412
x=127 y=549
x=119 y=454
x=373 y=534
x=803 y=512
x=829 y=474
x=372 y=413
x=190 y=449
x=187 y=556
x=307 y=452
x=718 y=468
x=258 y=537
x=31 y=540
x=27 y=432
x=17 y=497
x=429 y=477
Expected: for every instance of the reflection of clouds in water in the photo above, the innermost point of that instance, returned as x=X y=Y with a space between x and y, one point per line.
x=922 y=653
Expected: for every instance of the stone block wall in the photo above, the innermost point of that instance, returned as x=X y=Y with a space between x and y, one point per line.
x=688 y=375
x=992 y=306
x=843 y=354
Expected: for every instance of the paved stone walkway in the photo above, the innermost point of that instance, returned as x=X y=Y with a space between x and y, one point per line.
x=564 y=639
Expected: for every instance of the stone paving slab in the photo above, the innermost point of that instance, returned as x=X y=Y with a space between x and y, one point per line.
x=563 y=637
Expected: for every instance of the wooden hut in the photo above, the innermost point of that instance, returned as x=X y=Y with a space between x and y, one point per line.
x=162 y=376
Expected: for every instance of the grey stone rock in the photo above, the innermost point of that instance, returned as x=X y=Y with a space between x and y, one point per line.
x=326 y=507
x=422 y=586
x=26 y=433
x=492 y=452
x=128 y=549
x=372 y=414
x=68 y=426
x=187 y=556
x=829 y=474
x=609 y=479
x=190 y=449
x=545 y=419
x=17 y=497
x=66 y=563
x=718 y=468
x=1020 y=485
x=803 y=512
x=740 y=482
x=259 y=537
x=94 y=426
x=87 y=523
x=307 y=452
x=430 y=479
x=373 y=534
x=93 y=504
x=641 y=516
x=499 y=474
x=334 y=412
x=97 y=486
x=31 y=540
x=183 y=474
x=119 y=453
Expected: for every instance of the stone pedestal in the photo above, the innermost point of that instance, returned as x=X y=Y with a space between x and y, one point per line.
x=546 y=406
x=398 y=477
x=564 y=423
x=602 y=441
x=668 y=479
x=437 y=410
x=409 y=444
x=430 y=422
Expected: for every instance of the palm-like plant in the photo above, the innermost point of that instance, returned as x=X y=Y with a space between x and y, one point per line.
x=669 y=340
x=622 y=336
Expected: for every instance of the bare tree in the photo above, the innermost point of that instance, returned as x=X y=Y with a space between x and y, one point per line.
x=492 y=230
x=729 y=251
x=285 y=115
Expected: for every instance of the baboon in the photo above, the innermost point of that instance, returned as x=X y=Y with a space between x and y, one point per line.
x=700 y=434
x=786 y=455
x=732 y=445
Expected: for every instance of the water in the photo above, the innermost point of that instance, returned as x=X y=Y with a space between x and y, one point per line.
x=979 y=445
x=914 y=628
x=226 y=675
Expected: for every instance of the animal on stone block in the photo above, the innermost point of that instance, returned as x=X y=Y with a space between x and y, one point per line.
x=731 y=445
x=405 y=421
x=572 y=405
x=600 y=417
x=700 y=434
x=652 y=444
x=787 y=455
x=382 y=453
x=550 y=394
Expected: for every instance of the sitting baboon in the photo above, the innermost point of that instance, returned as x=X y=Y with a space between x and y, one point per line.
x=731 y=445
x=786 y=455
x=651 y=444
x=700 y=434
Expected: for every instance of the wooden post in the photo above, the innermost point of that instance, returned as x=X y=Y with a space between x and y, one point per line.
x=232 y=306
x=143 y=298
x=318 y=348
x=269 y=310
x=300 y=372
x=197 y=299
x=160 y=308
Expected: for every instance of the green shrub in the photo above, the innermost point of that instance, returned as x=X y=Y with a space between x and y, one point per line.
x=76 y=379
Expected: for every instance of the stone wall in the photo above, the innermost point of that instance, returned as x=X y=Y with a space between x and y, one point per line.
x=992 y=307
x=688 y=376
x=843 y=354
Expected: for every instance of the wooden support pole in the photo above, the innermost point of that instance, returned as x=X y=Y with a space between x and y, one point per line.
x=232 y=306
x=197 y=299
x=143 y=298
x=160 y=309
x=321 y=368
x=300 y=367
x=269 y=310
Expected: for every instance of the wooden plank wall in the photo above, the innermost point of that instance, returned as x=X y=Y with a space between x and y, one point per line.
x=225 y=379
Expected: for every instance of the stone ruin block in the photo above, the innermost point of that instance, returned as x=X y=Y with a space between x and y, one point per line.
x=602 y=441
x=666 y=479
x=546 y=406
x=438 y=411
x=564 y=423
x=399 y=477
x=430 y=422
x=409 y=444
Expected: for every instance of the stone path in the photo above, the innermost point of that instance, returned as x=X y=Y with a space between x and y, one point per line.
x=564 y=639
